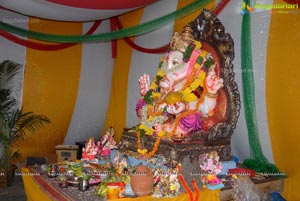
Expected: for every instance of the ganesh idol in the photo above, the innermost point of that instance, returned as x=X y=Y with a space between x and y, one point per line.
x=183 y=93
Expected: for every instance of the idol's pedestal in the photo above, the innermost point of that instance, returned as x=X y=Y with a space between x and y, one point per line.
x=174 y=152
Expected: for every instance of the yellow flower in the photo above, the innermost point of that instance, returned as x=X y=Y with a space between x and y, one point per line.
x=198 y=44
x=186 y=91
x=203 y=53
x=197 y=82
x=153 y=85
x=190 y=97
x=142 y=151
x=160 y=73
x=173 y=97
x=149 y=131
x=172 y=187
x=202 y=76
x=197 y=66
x=161 y=133
x=156 y=95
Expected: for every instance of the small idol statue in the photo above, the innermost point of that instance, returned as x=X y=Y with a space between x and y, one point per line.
x=210 y=167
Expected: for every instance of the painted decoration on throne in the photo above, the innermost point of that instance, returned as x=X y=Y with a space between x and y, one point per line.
x=182 y=98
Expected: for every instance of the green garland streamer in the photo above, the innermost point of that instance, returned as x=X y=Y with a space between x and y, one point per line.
x=127 y=32
x=257 y=159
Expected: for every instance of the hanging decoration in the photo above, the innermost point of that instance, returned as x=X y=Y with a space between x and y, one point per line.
x=115 y=25
x=75 y=10
x=127 y=32
x=139 y=48
x=257 y=159
x=163 y=48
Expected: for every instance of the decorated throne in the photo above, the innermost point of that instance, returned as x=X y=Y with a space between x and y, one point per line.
x=193 y=104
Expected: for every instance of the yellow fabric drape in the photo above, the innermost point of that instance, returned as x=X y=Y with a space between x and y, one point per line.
x=204 y=195
x=51 y=86
x=116 y=113
x=32 y=189
x=283 y=96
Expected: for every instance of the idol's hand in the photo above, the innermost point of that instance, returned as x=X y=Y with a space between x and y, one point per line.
x=144 y=84
x=213 y=83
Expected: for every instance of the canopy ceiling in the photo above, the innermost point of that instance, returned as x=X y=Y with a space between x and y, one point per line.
x=74 y=10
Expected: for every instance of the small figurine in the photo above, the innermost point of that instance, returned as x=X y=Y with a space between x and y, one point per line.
x=90 y=150
x=122 y=165
x=210 y=165
x=166 y=183
x=108 y=142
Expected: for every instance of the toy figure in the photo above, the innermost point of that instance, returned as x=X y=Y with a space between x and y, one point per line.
x=90 y=149
x=210 y=166
x=184 y=91
x=166 y=183
x=108 y=142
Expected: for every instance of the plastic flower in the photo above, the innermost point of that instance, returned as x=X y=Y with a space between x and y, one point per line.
x=196 y=83
x=156 y=95
x=153 y=85
x=197 y=66
x=203 y=53
x=190 y=97
x=142 y=151
x=160 y=73
x=161 y=133
x=202 y=76
x=150 y=118
x=148 y=130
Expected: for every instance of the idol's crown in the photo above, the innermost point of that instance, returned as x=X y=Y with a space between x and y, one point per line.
x=181 y=41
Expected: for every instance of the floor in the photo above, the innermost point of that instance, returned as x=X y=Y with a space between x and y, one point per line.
x=15 y=192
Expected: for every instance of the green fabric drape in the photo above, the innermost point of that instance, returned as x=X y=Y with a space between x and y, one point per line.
x=127 y=32
x=257 y=159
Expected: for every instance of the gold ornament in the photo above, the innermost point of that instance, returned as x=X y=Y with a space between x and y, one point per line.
x=179 y=42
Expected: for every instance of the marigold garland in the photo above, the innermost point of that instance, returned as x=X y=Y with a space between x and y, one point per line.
x=143 y=151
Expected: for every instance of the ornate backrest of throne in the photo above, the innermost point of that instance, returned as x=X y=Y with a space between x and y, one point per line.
x=208 y=29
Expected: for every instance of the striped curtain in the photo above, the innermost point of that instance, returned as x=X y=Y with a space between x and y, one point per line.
x=83 y=90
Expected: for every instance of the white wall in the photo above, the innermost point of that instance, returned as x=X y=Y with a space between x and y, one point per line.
x=94 y=89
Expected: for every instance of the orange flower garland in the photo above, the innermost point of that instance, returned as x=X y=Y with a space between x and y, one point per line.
x=144 y=152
